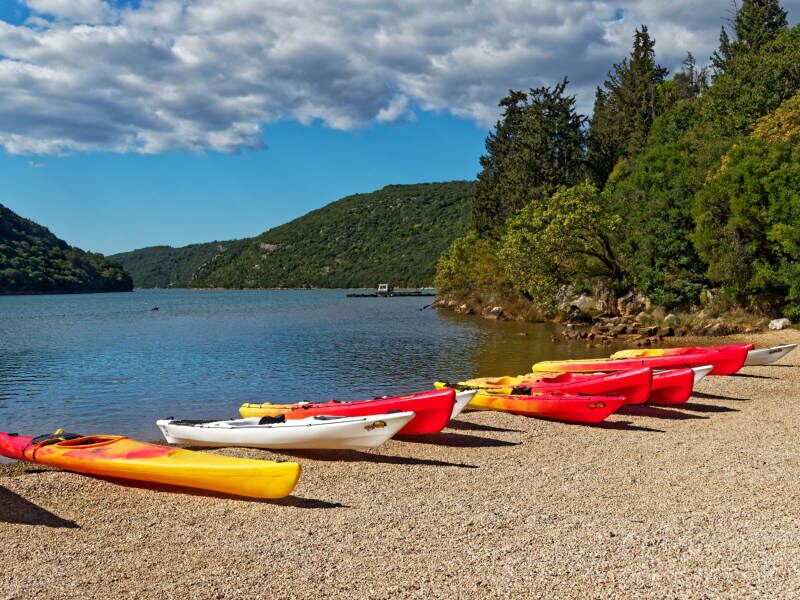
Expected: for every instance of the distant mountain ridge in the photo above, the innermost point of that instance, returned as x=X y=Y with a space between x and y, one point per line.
x=394 y=234
x=33 y=260
x=166 y=266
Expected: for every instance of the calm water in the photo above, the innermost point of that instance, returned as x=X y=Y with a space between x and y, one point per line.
x=106 y=363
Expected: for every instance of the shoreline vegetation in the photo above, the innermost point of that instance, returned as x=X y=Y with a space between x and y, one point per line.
x=679 y=192
x=703 y=493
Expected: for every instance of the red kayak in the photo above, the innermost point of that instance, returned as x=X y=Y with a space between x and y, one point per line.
x=725 y=362
x=559 y=407
x=672 y=387
x=633 y=385
x=431 y=409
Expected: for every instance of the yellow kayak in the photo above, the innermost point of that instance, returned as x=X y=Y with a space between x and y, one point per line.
x=124 y=458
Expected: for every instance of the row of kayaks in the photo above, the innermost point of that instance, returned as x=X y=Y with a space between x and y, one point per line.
x=581 y=391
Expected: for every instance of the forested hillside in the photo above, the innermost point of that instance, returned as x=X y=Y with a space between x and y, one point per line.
x=33 y=260
x=684 y=189
x=393 y=234
x=165 y=266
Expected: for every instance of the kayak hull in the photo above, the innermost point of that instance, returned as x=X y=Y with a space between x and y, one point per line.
x=767 y=356
x=462 y=401
x=312 y=433
x=634 y=385
x=558 y=407
x=673 y=386
x=724 y=362
x=122 y=458
x=432 y=409
x=679 y=351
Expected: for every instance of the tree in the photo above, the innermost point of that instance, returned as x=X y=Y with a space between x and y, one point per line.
x=748 y=216
x=570 y=241
x=626 y=106
x=756 y=23
x=537 y=145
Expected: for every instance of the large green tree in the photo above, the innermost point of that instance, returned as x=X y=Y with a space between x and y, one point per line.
x=625 y=106
x=567 y=242
x=757 y=22
x=748 y=216
x=536 y=146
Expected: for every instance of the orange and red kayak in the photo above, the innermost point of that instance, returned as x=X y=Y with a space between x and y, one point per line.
x=432 y=409
x=634 y=385
x=559 y=407
x=726 y=361
x=124 y=458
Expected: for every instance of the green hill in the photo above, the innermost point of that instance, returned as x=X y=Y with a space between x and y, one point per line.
x=393 y=234
x=33 y=260
x=165 y=266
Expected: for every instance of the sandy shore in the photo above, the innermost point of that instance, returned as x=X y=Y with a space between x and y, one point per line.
x=697 y=501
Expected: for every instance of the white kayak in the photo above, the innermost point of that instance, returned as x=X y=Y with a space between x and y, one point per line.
x=766 y=356
x=701 y=372
x=462 y=399
x=312 y=433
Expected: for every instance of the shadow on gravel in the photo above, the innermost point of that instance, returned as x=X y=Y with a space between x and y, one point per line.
x=357 y=456
x=298 y=502
x=705 y=396
x=707 y=408
x=456 y=440
x=620 y=425
x=16 y=509
x=752 y=376
x=467 y=426
x=640 y=410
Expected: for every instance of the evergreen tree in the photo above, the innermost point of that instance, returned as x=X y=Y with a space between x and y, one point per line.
x=538 y=145
x=626 y=106
x=756 y=23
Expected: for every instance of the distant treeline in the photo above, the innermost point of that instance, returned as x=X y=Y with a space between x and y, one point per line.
x=685 y=188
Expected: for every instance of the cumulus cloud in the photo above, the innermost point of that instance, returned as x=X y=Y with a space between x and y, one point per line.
x=166 y=75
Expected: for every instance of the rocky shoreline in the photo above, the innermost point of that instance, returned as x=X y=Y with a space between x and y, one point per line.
x=633 y=320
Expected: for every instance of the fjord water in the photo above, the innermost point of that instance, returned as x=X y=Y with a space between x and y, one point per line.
x=108 y=363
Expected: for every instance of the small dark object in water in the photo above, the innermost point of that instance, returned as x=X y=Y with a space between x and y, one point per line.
x=154 y=308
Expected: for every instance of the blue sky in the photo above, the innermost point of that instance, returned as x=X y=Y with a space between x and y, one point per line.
x=111 y=202
x=127 y=124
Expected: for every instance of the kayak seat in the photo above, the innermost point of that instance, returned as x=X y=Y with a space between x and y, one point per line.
x=272 y=420
x=521 y=391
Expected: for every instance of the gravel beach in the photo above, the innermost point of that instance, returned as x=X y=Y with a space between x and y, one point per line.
x=701 y=500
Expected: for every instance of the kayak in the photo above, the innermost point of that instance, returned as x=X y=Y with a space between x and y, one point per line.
x=649 y=352
x=319 y=432
x=701 y=372
x=123 y=458
x=432 y=409
x=766 y=356
x=673 y=386
x=634 y=385
x=559 y=407
x=724 y=362
x=463 y=398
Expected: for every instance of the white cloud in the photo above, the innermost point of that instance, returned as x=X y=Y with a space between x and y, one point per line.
x=206 y=75
x=84 y=11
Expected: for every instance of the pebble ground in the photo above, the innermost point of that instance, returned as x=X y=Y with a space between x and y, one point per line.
x=697 y=501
